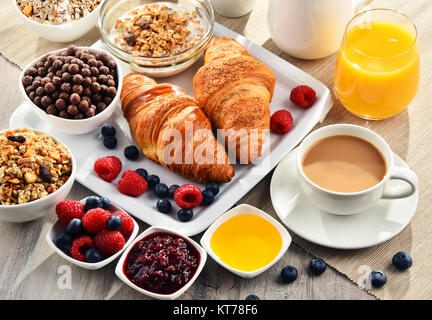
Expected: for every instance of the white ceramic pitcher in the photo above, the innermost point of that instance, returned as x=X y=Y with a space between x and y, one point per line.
x=310 y=29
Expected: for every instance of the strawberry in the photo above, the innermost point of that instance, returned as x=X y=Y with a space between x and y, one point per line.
x=132 y=184
x=67 y=210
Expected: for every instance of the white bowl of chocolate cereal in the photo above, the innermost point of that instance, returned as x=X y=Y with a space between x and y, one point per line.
x=58 y=20
x=36 y=172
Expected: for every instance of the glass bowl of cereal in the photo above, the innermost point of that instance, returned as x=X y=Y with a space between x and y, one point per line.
x=36 y=172
x=59 y=21
x=157 y=38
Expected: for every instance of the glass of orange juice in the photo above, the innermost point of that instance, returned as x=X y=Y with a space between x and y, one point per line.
x=378 y=67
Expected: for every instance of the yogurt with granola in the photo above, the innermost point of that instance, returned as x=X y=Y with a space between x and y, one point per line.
x=157 y=30
x=32 y=166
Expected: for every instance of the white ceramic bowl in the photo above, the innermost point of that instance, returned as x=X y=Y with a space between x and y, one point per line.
x=58 y=227
x=242 y=209
x=62 y=32
x=38 y=208
x=120 y=273
x=73 y=126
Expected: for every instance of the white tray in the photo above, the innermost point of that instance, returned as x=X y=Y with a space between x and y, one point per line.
x=88 y=147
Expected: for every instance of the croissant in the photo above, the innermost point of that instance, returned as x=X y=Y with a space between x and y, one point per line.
x=166 y=123
x=234 y=89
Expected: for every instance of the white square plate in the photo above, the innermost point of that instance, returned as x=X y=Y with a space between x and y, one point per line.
x=89 y=147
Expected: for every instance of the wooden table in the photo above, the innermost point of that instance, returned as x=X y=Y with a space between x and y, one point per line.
x=31 y=270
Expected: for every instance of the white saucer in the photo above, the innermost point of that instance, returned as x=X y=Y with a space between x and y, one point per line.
x=374 y=226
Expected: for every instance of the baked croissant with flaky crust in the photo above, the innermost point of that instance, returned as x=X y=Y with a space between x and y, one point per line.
x=166 y=123
x=234 y=89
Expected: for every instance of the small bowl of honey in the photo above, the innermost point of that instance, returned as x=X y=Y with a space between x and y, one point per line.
x=246 y=241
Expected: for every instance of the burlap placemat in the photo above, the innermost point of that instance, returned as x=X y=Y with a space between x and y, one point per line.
x=409 y=135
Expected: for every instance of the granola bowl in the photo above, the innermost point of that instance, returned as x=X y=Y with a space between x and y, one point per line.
x=64 y=32
x=157 y=38
x=36 y=173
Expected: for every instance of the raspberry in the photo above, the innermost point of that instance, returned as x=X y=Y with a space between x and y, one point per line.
x=188 y=196
x=108 y=168
x=132 y=184
x=94 y=220
x=127 y=225
x=281 y=121
x=109 y=242
x=79 y=247
x=67 y=210
x=303 y=96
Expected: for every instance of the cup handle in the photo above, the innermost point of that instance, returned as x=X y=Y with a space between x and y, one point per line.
x=358 y=4
x=404 y=174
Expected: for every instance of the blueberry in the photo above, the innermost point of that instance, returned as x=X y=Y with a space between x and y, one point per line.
x=208 y=197
x=63 y=240
x=152 y=180
x=402 y=260
x=142 y=172
x=114 y=222
x=171 y=190
x=164 y=206
x=108 y=131
x=317 y=266
x=92 y=202
x=161 y=190
x=252 y=297
x=378 y=278
x=105 y=202
x=110 y=142
x=185 y=215
x=289 y=274
x=93 y=255
x=75 y=227
x=131 y=152
x=214 y=187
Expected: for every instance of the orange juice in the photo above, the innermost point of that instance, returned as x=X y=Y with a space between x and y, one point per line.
x=378 y=69
x=246 y=242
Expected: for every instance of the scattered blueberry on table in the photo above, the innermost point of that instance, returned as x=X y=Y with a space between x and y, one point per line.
x=378 y=278
x=317 y=266
x=289 y=274
x=110 y=142
x=185 y=215
x=171 y=190
x=208 y=197
x=214 y=187
x=402 y=261
x=252 y=297
x=161 y=190
x=164 y=205
x=142 y=172
x=131 y=152
x=108 y=131
x=152 y=180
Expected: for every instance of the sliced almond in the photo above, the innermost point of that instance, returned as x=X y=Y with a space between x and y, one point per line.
x=30 y=177
x=55 y=156
x=14 y=181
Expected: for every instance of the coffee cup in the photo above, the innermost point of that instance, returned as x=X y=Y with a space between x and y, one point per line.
x=347 y=203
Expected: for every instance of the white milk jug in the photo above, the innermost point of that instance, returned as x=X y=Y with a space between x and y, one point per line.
x=310 y=29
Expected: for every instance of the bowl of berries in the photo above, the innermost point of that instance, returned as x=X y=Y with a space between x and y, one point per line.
x=92 y=232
